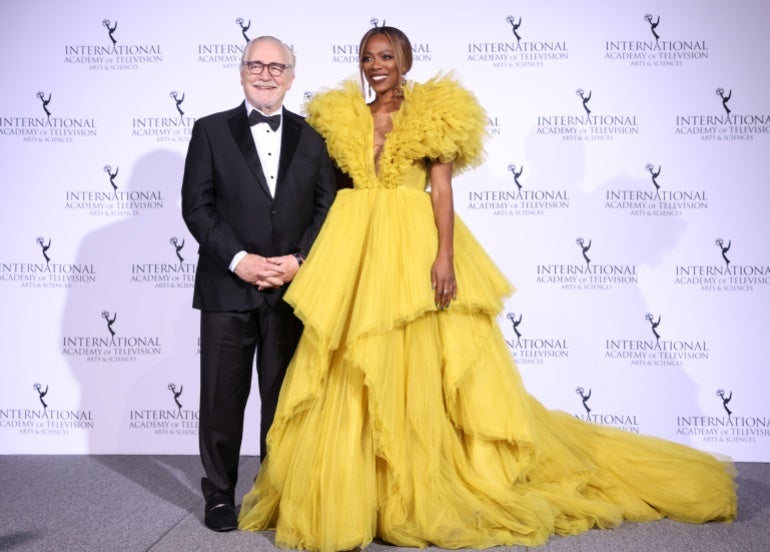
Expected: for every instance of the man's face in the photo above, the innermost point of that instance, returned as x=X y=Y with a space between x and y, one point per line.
x=264 y=90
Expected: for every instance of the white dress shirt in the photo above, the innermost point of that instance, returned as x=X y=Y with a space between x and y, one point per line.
x=268 y=145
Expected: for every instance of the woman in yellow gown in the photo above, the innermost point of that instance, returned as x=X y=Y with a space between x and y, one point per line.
x=402 y=416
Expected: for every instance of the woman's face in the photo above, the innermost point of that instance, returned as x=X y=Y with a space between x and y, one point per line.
x=379 y=64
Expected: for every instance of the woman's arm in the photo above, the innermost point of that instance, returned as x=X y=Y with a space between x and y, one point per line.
x=443 y=272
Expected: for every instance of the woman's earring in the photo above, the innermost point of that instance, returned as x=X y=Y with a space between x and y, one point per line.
x=399 y=92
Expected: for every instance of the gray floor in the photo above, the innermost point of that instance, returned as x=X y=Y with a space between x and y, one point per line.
x=139 y=503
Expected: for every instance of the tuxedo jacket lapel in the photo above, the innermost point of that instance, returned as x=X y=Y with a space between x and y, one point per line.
x=241 y=131
x=289 y=140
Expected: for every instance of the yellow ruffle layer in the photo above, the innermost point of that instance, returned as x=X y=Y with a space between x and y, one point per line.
x=439 y=119
x=412 y=425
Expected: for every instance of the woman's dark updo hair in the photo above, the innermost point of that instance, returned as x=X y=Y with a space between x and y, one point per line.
x=402 y=48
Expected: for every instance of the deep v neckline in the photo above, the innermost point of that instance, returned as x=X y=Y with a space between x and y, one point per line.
x=383 y=123
x=382 y=126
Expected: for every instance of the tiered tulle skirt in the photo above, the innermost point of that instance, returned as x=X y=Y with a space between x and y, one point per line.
x=400 y=422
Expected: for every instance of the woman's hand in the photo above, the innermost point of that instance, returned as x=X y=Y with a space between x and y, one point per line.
x=442 y=277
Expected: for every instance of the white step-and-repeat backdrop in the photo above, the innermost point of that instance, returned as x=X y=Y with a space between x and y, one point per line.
x=625 y=193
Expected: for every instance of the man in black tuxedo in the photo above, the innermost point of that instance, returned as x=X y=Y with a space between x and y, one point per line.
x=257 y=185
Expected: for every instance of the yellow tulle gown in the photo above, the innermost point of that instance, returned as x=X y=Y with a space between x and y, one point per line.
x=411 y=425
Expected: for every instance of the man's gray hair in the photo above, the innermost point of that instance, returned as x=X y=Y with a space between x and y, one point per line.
x=268 y=38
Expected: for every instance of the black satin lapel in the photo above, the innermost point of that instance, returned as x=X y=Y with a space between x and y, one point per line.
x=289 y=141
x=241 y=131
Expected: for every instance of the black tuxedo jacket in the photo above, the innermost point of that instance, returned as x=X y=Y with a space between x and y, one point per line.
x=227 y=206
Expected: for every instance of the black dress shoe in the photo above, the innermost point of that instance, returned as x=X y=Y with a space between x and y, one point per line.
x=220 y=517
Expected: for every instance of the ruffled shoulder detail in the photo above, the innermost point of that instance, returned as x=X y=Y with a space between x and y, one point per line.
x=440 y=119
x=342 y=117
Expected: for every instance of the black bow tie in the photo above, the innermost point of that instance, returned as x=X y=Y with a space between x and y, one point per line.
x=273 y=120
